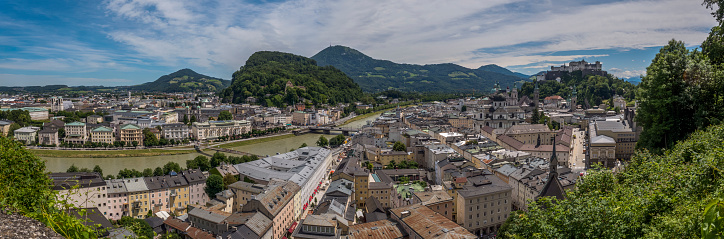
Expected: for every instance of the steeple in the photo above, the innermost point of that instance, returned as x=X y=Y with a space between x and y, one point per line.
x=553 y=187
x=554 y=162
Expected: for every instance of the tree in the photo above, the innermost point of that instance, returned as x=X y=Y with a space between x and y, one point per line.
x=186 y=119
x=158 y=171
x=229 y=179
x=135 y=143
x=471 y=142
x=464 y=108
x=217 y=159
x=148 y=172
x=536 y=116
x=201 y=162
x=248 y=180
x=25 y=191
x=322 y=141
x=72 y=169
x=171 y=166
x=665 y=104
x=399 y=146
x=337 y=140
x=193 y=118
x=303 y=145
x=97 y=169
x=149 y=138
x=225 y=115
x=61 y=133
x=214 y=185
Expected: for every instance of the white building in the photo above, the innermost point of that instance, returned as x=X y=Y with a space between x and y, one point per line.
x=307 y=167
x=215 y=129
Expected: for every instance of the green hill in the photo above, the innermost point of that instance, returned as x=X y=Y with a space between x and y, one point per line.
x=501 y=70
x=265 y=76
x=378 y=75
x=184 y=80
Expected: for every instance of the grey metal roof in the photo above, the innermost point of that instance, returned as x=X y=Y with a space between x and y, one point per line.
x=116 y=186
x=207 y=215
x=135 y=184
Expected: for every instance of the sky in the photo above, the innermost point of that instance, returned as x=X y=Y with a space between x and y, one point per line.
x=127 y=42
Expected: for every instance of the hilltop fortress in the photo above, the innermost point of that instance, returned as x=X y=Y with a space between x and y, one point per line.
x=586 y=69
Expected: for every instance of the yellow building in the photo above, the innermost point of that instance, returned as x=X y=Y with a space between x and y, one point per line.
x=137 y=197
x=178 y=189
x=361 y=187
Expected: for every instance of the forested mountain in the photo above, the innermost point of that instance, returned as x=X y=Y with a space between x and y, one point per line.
x=184 y=80
x=265 y=76
x=378 y=75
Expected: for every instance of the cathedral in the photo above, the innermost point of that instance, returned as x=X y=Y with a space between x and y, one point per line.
x=501 y=109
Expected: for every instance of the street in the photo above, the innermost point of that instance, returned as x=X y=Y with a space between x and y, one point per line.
x=577 y=156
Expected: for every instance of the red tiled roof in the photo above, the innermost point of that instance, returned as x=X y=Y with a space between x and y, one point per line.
x=177 y=224
x=196 y=233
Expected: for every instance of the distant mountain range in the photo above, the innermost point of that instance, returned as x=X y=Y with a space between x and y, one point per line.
x=184 y=80
x=375 y=75
x=634 y=80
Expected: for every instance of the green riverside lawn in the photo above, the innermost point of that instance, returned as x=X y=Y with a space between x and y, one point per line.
x=143 y=152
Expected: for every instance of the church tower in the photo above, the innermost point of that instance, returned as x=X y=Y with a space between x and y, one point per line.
x=553 y=187
x=536 y=91
x=574 y=99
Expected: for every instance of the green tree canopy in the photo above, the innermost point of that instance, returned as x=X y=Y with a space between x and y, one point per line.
x=214 y=185
x=98 y=170
x=158 y=171
x=399 y=146
x=225 y=115
x=171 y=166
x=322 y=141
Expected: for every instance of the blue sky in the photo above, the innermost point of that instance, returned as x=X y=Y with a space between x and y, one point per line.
x=124 y=42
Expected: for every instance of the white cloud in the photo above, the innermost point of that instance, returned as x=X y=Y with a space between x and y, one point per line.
x=41 y=80
x=626 y=73
x=219 y=36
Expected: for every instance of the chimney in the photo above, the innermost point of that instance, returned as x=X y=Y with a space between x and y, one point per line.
x=404 y=214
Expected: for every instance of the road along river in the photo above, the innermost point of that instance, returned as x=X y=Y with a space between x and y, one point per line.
x=113 y=165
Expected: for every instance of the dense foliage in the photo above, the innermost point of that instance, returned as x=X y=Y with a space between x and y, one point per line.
x=214 y=185
x=20 y=117
x=654 y=197
x=591 y=90
x=337 y=140
x=322 y=141
x=184 y=80
x=139 y=226
x=378 y=75
x=265 y=76
x=26 y=190
x=683 y=90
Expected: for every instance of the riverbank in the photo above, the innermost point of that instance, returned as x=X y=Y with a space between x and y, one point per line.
x=255 y=141
x=379 y=112
x=107 y=153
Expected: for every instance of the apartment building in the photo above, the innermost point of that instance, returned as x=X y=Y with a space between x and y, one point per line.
x=102 y=134
x=117 y=199
x=76 y=133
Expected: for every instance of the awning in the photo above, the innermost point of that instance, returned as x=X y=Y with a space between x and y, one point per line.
x=294 y=226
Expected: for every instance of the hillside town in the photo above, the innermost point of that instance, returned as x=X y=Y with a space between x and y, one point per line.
x=453 y=169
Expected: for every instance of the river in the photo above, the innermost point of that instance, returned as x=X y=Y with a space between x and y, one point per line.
x=113 y=165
